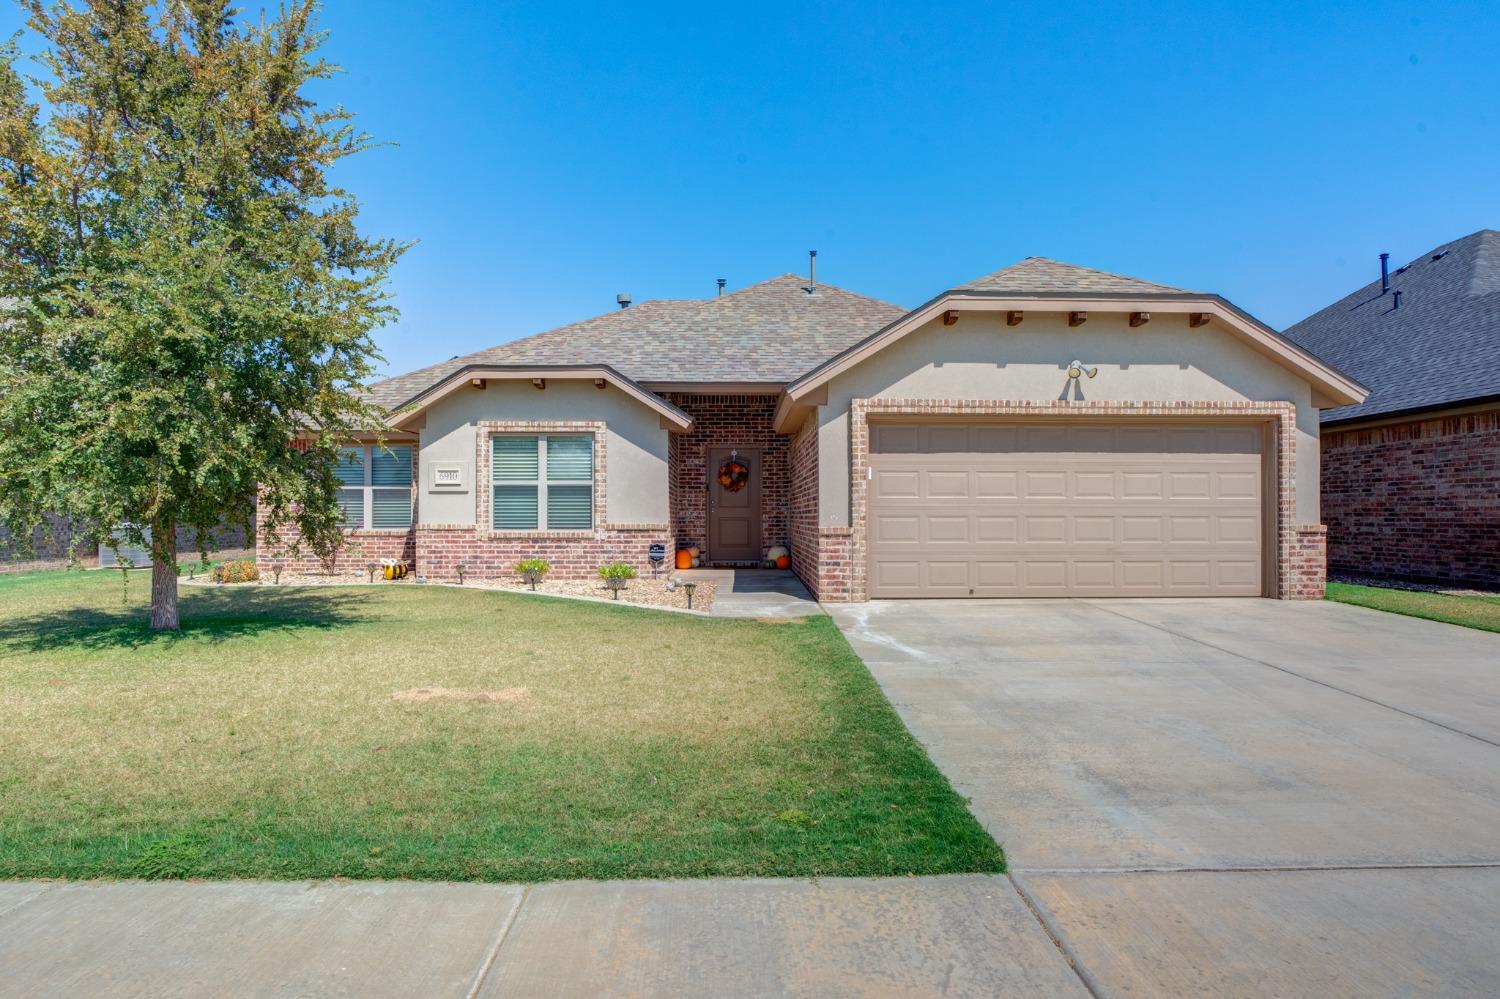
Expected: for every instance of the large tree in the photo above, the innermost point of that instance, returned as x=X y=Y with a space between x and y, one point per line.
x=184 y=290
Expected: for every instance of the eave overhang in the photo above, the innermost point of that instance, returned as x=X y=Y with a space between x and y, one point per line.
x=410 y=412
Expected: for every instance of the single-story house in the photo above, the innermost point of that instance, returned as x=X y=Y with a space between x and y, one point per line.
x=1411 y=475
x=1045 y=430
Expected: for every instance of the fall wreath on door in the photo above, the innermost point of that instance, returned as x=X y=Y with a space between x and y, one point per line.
x=733 y=475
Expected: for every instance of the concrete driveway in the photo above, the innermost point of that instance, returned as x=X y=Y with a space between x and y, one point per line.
x=1241 y=797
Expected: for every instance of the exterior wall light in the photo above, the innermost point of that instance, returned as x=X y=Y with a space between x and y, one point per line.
x=1077 y=370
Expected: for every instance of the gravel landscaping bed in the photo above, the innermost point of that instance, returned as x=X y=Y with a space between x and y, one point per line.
x=651 y=592
x=647 y=592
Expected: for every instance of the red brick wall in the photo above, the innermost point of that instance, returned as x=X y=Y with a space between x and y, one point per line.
x=441 y=549
x=803 y=502
x=1307 y=564
x=727 y=421
x=1418 y=500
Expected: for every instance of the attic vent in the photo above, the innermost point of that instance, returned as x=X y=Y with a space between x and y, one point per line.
x=1439 y=256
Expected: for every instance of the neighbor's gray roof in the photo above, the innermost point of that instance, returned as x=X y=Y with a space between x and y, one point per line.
x=1041 y=276
x=768 y=332
x=1440 y=348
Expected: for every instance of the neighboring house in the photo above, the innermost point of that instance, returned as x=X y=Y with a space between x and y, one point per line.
x=950 y=451
x=1411 y=476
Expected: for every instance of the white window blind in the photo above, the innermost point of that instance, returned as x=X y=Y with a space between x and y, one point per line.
x=542 y=479
x=376 y=489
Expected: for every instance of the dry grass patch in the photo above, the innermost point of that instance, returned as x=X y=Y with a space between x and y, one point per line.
x=447 y=733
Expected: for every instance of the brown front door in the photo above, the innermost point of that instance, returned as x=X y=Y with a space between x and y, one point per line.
x=733 y=515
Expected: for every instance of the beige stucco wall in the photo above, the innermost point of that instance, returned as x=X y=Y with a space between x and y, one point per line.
x=982 y=358
x=636 y=486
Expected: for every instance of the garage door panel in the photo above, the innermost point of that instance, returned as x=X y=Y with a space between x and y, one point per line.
x=1045 y=485
x=997 y=485
x=1094 y=530
x=1093 y=575
x=1095 y=485
x=1044 y=529
x=942 y=439
x=1043 y=576
x=995 y=575
x=948 y=574
x=891 y=529
x=1141 y=530
x=1049 y=510
x=997 y=529
x=894 y=485
x=940 y=485
x=948 y=530
x=1238 y=485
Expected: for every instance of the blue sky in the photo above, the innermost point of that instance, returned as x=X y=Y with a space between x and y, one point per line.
x=553 y=155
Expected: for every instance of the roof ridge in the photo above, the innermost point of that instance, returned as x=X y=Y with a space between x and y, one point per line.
x=1037 y=274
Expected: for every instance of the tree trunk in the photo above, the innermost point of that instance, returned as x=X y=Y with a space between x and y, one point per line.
x=164 y=577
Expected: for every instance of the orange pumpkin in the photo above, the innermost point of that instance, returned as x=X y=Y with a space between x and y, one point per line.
x=783 y=563
x=684 y=558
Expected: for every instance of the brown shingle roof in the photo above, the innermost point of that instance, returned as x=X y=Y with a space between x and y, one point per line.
x=768 y=332
x=1040 y=276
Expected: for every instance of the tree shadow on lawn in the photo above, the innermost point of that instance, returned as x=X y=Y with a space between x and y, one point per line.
x=207 y=616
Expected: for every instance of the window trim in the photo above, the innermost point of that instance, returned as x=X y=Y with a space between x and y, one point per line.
x=543 y=484
x=368 y=488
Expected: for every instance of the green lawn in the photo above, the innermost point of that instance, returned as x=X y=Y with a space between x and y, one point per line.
x=265 y=741
x=1471 y=612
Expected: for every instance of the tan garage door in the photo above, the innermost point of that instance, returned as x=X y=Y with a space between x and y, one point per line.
x=1051 y=510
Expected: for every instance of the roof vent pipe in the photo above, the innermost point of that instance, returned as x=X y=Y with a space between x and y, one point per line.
x=1385 y=276
x=1396 y=300
x=722 y=283
x=812 y=271
x=624 y=299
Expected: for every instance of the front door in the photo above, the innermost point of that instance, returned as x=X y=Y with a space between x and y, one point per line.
x=733 y=505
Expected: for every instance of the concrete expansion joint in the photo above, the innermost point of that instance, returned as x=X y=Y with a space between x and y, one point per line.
x=1055 y=936
x=494 y=951
x=1292 y=672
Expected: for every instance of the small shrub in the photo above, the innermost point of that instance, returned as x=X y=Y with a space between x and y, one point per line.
x=533 y=566
x=240 y=570
x=616 y=570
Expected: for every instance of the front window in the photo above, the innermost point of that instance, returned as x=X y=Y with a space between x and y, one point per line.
x=542 y=479
x=376 y=490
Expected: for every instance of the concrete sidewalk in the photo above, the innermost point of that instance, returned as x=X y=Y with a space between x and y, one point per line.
x=969 y=935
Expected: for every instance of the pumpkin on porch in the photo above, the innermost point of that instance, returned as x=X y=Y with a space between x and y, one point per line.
x=783 y=562
x=684 y=558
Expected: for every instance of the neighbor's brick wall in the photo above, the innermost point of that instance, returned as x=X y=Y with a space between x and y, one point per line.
x=1418 y=500
x=743 y=421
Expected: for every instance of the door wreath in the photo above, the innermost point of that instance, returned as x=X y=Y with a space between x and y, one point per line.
x=733 y=475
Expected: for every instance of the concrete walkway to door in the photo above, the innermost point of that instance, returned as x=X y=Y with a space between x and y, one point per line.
x=1241 y=797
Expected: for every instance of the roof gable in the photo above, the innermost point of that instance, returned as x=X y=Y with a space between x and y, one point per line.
x=1440 y=348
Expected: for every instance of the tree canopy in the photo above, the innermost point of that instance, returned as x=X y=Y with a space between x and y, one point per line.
x=184 y=291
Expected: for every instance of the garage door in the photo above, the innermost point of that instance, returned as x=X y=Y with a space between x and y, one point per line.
x=1050 y=510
